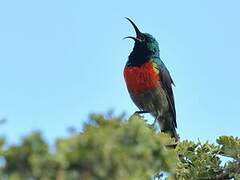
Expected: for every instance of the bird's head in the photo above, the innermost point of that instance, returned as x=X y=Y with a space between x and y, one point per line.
x=145 y=45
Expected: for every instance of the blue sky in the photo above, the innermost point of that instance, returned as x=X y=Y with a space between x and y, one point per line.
x=61 y=60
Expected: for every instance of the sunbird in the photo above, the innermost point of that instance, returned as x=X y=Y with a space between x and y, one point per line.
x=149 y=82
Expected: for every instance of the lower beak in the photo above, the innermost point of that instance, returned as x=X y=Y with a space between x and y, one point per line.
x=134 y=38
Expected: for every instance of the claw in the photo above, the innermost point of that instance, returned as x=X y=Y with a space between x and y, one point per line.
x=153 y=124
x=141 y=112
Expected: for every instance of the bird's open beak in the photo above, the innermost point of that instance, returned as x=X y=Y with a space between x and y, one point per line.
x=139 y=35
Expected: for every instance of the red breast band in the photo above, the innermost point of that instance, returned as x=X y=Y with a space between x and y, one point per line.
x=139 y=79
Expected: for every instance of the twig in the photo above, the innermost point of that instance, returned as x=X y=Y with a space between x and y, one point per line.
x=226 y=173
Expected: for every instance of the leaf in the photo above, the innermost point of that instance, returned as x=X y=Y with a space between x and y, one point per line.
x=230 y=146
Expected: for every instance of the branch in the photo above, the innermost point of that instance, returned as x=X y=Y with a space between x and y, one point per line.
x=227 y=173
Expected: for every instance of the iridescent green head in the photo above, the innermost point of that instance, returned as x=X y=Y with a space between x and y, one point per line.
x=145 y=46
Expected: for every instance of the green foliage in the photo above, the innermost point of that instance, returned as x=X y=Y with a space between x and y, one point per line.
x=230 y=146
x=31 y=158
x=117 y=149
x=198 y=160
x=203 y=160
x=113 y=148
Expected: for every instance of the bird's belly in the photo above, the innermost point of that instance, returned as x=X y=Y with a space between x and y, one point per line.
x=154 y=101
x=142 y=78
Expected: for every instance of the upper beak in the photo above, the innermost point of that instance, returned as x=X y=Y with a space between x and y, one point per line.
x=138 y=33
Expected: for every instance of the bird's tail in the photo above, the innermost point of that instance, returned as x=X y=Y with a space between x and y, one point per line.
x=167 y=126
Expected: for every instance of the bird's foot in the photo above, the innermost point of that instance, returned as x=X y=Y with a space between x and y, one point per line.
x=138 y=113
x=141 y=112
x=172 y=146
x=153 y=124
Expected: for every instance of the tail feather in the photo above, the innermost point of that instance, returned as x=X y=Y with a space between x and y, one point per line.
x=167 y=126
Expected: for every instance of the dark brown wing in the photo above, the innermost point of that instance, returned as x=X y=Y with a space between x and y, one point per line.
x=167 y=82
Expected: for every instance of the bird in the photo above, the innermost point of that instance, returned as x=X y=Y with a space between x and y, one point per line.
x=149 y=82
